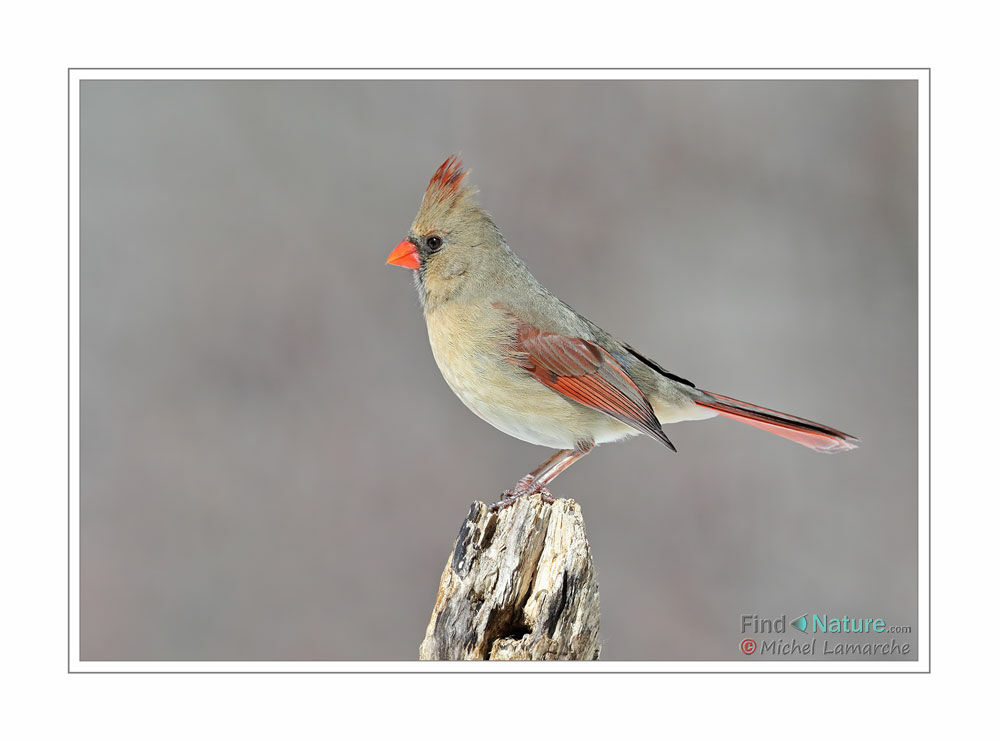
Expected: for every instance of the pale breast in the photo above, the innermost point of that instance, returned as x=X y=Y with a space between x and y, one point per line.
x=468 y=344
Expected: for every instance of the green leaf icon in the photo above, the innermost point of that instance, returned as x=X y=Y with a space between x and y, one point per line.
x=800 y=623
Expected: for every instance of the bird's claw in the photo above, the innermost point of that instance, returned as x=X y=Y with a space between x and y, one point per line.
x=525 y=488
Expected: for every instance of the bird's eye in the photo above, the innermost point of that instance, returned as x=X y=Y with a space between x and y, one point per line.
x=434 y=243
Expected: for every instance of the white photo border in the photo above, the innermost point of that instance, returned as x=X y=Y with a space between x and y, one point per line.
x=920 y=75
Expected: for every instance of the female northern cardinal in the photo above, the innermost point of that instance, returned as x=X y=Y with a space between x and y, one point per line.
x=533 y=367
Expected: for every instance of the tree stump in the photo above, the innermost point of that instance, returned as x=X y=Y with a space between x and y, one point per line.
x=519 y=585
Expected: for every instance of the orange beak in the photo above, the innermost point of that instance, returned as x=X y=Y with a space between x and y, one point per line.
x=405 y=255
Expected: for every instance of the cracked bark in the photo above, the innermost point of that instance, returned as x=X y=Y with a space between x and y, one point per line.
x=519 y=585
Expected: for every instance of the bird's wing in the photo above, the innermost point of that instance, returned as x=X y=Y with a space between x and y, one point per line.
x=586 y=373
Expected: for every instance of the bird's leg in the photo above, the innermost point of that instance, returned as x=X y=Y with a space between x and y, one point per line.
x=544 y=474
x=527 y=479
x=538 y=479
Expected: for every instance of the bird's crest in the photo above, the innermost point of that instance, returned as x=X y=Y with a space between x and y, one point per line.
x=445 y=192
x=447 y=180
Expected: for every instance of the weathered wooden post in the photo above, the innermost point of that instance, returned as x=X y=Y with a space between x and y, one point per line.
x=519 y=585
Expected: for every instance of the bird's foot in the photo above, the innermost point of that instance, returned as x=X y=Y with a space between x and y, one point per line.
x=525 y=488
x=522 y=484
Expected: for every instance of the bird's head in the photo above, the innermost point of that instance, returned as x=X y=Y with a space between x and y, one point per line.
x=452 y=241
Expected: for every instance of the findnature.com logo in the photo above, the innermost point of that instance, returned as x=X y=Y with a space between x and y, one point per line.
x=821 y=625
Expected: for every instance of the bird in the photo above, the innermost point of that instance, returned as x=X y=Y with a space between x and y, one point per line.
x=532 y=366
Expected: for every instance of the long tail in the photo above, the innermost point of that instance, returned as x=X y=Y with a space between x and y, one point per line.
x=814 y=435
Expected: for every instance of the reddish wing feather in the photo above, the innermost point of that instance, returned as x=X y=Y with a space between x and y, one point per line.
x=584 y=372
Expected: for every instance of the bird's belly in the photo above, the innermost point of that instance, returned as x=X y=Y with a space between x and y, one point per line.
x=531 y=412
x=520 y=407
x=470 y=357
x=527 y=427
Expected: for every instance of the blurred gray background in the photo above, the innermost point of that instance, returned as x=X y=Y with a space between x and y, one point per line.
x=272 y=466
